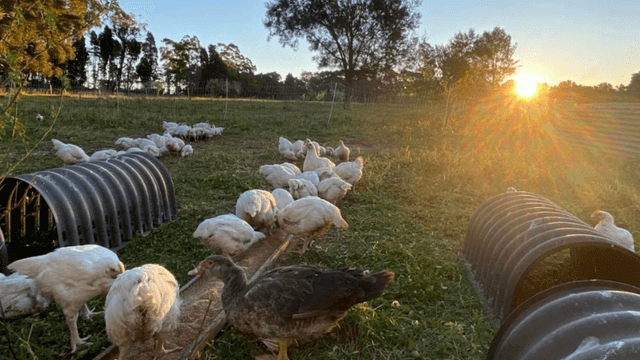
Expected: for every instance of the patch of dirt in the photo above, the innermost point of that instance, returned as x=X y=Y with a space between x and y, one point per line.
x=194 y=316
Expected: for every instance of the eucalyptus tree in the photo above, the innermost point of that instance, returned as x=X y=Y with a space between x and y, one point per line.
x=76 y=69
x=234 y=60
x=180 y=57
x=127 y=30
x=147 y=68
x=212 y=65
x=354 y=36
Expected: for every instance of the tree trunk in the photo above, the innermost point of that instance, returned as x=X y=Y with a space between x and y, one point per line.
x=348 y=89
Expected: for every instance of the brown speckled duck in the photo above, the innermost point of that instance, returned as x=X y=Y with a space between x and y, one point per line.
x=291 y=302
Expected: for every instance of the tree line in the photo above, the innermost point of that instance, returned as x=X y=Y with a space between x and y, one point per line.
x=369 y=47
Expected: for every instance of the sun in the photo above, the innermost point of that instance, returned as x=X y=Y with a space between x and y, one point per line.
x=527 y=84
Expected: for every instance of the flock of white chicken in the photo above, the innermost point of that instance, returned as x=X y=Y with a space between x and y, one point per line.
x=301 y=203
x=172 y=141
x=144 y=303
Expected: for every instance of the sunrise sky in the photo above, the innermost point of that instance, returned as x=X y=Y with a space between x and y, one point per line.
x=588 y=42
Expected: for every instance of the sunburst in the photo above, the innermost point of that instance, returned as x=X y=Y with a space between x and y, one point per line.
x=527 y=84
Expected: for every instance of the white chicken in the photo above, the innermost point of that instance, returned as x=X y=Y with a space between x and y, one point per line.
x=143 y=303
x=69 y=154
x=325 y=173
x=102 y=154
x=285 y=147
x=341 y=152
x=257 y=207
x=182 y=131
x=320 y=150
x=299 y=149
x=152 y=150
x=300 y=188
x=143 y=142
x=193 y=134
x=163 y=150
x=19 y=295
x=166 y=125
x=312 y=161
x=310 y=176
x=204 y=125
x=134 y=150
x=126 y=142
x=607 y=227
x=39 y=117
x=283 y=198
x=278 y=175
x=159 y=140
x=174 y=144
x=186 y=151
x=329 y=150
x=308 y=216
x=350 y=171
x=228 y=234
x=333 y=189
x=70 y=276
x=217 y=130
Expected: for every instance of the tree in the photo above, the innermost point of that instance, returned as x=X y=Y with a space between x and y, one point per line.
x=354 y=36
x=76 y=68
x=234 y=60
x=180 y=58
x=34 y=32
x=147 y=68
x=109 y=49
x=469 y=64
x=134 y=47
x=127 y=30
x=493 y=54
x=212 y=65
x=95 y=53
x=604 y=87
x=37 y=37
x=294 y=87
x=634 y=86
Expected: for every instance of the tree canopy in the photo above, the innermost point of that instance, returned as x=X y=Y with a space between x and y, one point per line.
x=469 y=63
x=355 y=36
x=180 y=57
x=634 y=86
x=233 y=59
x=36 y=36
x=147 y=68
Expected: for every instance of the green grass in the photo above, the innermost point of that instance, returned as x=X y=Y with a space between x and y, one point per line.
x=408 y=214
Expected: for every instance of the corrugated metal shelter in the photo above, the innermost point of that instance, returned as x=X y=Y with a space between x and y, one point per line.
x=103 y=202
x=511 y=232
x=590 y=319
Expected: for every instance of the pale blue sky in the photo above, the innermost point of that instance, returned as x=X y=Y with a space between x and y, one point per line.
x=589 y=42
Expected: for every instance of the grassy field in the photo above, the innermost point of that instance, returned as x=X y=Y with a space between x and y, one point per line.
x=408 y=213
